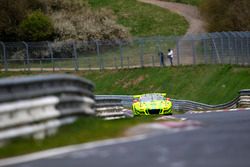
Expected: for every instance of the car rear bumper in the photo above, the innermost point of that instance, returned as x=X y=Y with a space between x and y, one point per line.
x=153 y=112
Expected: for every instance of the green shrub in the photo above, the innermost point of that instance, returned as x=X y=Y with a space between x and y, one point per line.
x=226 y=15
x=67 y=5
x=12 y=13
x=36 y=27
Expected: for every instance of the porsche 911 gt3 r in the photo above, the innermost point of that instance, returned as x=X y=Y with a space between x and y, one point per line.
x=151 y=103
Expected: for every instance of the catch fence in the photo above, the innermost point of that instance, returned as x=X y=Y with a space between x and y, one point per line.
x=209 y=48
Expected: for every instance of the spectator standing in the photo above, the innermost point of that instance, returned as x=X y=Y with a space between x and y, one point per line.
x=161 y=58
x=170 y=56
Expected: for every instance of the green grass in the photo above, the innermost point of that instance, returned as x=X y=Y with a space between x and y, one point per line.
x=190 y=2
x=144 y=19
x=211 y=84
x=83 y=130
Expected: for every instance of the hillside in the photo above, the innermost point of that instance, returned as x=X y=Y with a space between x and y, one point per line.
x=42 y=20
x=143 y=19
x=212 y=84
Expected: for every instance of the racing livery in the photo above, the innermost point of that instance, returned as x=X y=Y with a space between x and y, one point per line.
x=151 y=103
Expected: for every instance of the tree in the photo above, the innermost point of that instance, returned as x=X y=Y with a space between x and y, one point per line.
x=12 y=13
x=226 y=15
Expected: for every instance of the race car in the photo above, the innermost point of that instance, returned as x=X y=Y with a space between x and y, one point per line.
x=151 y=103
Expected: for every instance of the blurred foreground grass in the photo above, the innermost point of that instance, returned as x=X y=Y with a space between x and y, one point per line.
x=85 y=129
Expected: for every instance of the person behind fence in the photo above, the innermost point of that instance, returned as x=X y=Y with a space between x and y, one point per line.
x=161 y=58
x=170 y=56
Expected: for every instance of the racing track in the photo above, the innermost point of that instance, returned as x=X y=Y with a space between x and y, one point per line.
x=221 y=141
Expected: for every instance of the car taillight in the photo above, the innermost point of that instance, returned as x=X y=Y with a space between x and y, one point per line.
x=135 y=101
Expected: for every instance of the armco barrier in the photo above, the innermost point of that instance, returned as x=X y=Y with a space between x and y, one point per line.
x=110 y=108
x=243 y=100
x=37 y=105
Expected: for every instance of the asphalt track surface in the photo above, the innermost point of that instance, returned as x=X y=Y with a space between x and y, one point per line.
x=223 y=140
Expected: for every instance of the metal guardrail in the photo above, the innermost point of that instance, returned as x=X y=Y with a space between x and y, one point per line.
x=207 y=48
x=243 y=100
x=37 y=105
x=111 y=108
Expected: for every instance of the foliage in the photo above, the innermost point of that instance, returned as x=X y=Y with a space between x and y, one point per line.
x=66 y=5
x=75 y=20
x=36 y=27
x=226 y=15
x=71 y=20
x=12 y=13
x=87 y=25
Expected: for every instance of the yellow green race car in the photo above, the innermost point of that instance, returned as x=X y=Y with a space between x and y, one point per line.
x=151 y=103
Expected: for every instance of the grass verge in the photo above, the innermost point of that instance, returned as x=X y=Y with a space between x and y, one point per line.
x=85 y=129
x=211 y=84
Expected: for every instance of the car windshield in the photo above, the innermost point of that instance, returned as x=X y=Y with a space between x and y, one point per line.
x=151 y=97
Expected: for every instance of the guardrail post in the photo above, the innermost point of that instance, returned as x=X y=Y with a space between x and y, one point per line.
x=153 y=61
x=115 y=62
x=244 y=99
x=222 y=50
x=229 y=54
x=75 y=56
x=51 y=55
x=121 y=53
x=178 y=51
x=159 y=50
x=99 y=55
x=204 y=51
x=142 y=52
x=242 y=51
x=247 y=49
x=27 y=60
x=4 y=58
x=235 y=50
x=194 y=51
x=128 y=62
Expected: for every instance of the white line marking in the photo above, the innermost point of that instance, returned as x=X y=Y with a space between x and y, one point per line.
x=69 y=149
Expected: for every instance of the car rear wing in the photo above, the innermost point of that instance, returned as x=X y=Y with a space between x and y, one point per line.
x=164 y=94
x=138 y=96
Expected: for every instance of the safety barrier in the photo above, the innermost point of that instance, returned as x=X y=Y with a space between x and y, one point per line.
x=38 y=105
x=243 y=100
x=110 y=108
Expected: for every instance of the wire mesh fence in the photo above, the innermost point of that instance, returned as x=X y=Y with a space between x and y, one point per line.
x=210 y=48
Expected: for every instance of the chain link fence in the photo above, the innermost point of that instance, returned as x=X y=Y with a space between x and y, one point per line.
x=210 y=48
